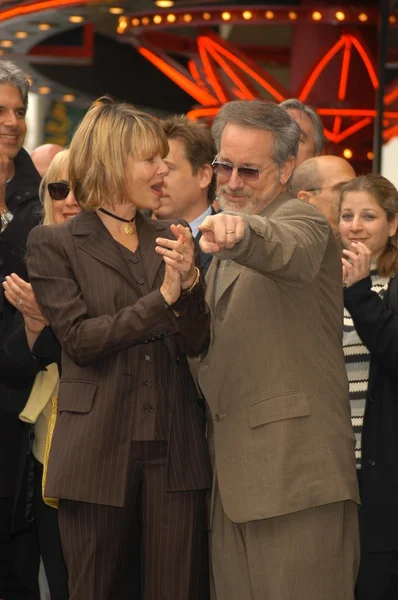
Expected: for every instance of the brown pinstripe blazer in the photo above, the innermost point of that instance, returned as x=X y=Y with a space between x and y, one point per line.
x=101 y=317
x=274 y=376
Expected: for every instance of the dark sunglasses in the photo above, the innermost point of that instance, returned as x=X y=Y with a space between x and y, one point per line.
x=58 y=190
x=225 y=170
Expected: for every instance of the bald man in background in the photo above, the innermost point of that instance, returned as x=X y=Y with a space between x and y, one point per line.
x=43 y=155
x=317 y=181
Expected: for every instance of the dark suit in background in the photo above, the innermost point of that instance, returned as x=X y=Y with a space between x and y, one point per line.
x=205 y=259
x=130 y=428
x=18 y=577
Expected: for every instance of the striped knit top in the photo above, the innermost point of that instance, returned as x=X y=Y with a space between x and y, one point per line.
x=357 y=361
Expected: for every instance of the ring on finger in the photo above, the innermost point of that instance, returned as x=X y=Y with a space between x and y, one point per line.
x=19 y=302
x=230 y=230
x=181 y=257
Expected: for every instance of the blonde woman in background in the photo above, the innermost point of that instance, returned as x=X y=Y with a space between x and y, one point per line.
x=29 y=348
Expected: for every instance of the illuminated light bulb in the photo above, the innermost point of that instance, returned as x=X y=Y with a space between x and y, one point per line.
x=316 y=15
x=370 y=155
x=21 y=35
x=347 y=153
x=269 y=14
x=157 y=19
x=116 y=10
x=392 y=19
x=340 y=16
x=135 y=23
x=44 y=26
x=247 y=15
x=44 y=89
x=164 y=3
x=68 y=97
x=206 y=16
x=226 y=16
x=6 y=43
x=171 y=18
x=363 y=17
x=187 y=18
x=145 y=21
x=76 y=19
x=292 y=15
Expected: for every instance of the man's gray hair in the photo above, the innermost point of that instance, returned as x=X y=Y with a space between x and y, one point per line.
x=257 y=114
x=12 y=75
x=306 y=177
x=315 y=119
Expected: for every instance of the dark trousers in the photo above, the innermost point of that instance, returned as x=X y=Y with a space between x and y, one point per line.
x=378 y=571
x=19 y=558
x=46 y=519
x=378 y=576
x=169 y=530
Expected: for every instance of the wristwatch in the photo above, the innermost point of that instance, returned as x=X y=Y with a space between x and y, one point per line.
x=6 y=217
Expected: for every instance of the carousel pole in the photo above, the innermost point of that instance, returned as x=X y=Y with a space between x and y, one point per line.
x=382 y=58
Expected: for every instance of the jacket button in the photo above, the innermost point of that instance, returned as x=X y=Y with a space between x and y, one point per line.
x=141 y=281
x=371 y=462
x=147 y=358
x=204 y=367
x=218 y=416
x=148 y=383
x=149 y=408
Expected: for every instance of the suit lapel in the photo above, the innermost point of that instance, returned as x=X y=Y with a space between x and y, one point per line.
x=216 y=289
x=97 y=241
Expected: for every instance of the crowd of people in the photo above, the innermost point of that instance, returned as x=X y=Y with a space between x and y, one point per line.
x=198 y=349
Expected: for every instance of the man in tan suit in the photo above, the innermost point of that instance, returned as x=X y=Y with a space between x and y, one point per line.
x=284 y=504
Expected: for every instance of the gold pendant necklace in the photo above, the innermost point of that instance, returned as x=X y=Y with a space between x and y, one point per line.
x=130 y=228
x=129 y=225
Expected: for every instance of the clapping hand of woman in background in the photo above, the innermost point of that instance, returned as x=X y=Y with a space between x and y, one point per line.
x=20 y=294
x=356 y=263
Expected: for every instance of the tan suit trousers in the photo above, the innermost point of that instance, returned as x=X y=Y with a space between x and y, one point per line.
x=308 y=555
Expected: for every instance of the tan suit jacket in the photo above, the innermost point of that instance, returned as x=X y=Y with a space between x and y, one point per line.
x=274 y=376
x=102 y=318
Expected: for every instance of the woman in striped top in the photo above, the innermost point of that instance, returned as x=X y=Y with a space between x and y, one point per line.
x=368 y=229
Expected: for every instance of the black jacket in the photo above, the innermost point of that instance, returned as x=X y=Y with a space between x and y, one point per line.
x=22 y=198
x=376 y=323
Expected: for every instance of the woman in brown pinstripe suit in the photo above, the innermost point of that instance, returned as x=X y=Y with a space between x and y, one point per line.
x=126 y=301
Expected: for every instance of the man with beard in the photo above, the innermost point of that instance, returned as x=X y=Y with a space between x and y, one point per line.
x=284 y=502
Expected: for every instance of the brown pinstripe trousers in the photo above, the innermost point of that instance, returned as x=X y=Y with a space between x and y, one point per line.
x=172 y=539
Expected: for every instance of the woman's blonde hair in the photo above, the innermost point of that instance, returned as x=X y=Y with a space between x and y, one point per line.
x=57 y=171
x=386 y=196
x=109 y=133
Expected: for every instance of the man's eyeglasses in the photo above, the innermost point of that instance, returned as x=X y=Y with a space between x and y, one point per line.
x=58 y=190
x=247 y=173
